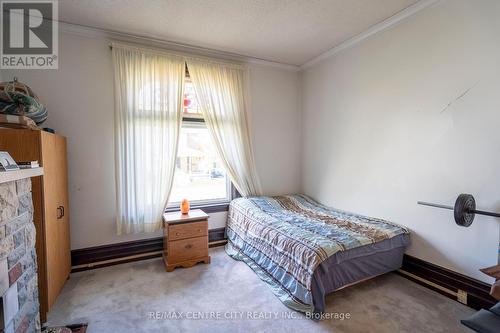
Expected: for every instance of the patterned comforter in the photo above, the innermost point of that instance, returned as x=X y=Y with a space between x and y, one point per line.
x=284 y=238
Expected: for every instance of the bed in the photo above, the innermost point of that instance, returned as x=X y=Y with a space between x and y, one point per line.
x=304 y=250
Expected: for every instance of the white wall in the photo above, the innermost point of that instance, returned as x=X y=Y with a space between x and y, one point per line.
x=276 y=126
x=79 y=97
x=380 y=133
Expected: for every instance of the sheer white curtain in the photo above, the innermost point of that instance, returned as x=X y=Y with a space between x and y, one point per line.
x=148 y=99
x=220 y=89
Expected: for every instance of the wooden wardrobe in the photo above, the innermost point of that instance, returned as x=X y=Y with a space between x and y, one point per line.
x=50 y=200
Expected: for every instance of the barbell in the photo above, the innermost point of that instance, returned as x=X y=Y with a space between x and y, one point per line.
x=464 y=210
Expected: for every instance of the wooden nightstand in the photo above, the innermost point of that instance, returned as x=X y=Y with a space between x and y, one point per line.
x=185 y=239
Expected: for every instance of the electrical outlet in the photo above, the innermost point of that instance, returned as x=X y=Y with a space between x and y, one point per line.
x=462 y=296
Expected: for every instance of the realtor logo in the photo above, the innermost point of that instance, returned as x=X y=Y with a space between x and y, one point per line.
x=29 y=37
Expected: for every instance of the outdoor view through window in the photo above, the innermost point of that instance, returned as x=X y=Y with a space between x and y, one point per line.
x=199 y=174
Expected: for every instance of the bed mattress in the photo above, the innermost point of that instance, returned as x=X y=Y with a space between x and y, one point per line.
x=304 y=250
x=358 y=264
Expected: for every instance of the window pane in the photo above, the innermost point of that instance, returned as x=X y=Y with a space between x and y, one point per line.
x=199 y=175
x=191 y=106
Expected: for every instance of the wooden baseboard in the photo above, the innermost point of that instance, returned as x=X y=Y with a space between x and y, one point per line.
x=464 y=289
x=119 y=253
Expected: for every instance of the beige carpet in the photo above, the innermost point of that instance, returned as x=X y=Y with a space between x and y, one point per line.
x=122 y=299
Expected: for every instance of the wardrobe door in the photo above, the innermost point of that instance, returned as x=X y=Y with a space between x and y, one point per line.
x=56 y=225
x=63 y=202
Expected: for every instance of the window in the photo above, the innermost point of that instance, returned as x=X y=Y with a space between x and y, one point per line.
x=199 y=173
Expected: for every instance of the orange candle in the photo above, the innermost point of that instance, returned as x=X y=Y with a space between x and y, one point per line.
x=185 y=206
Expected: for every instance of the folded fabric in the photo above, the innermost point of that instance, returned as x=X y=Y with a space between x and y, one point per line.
x=18 y=99
x=9 y=121
x=495 y=290
x=494 y=271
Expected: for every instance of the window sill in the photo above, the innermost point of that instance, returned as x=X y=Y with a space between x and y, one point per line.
x=207 y=208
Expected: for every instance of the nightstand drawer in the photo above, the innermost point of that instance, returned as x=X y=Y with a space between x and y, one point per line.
x=187 y=230
x=187 y=249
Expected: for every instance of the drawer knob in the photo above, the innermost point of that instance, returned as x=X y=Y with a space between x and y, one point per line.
x=177 y=234
x=188 y=246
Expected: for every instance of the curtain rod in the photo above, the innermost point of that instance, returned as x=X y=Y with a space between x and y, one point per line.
x=222 y=62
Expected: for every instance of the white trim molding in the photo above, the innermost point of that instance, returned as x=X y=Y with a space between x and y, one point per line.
x=377 y=28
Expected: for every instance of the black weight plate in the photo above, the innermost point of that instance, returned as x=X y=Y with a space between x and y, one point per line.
x=464 y=206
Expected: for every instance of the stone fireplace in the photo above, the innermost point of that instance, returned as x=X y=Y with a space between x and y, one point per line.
x=19 y=305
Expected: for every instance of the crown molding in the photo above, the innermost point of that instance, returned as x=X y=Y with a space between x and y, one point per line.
x=377 y=28
x=92 y=32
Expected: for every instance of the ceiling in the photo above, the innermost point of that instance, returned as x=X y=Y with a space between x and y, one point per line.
x=286 y=31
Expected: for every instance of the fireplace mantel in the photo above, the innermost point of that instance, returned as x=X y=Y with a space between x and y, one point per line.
x=10 y=176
